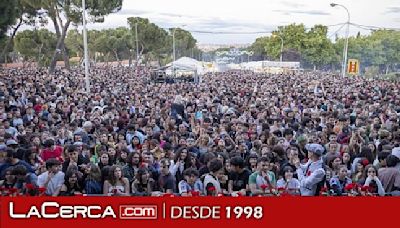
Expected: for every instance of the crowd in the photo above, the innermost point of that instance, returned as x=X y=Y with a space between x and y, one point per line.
x=234 y=134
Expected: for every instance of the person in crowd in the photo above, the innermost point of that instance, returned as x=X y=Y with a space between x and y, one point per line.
x=359 y=172
x=390 y=176
x=143 y=184
x=372 y=181
x=122 y=157
x=262 y=181
x=312 y=173
x=229 y=114
x=290 y=184
x=32 y=158
x=92 y=182
x=132 y=166
x=51 y=150
x=74 y=158
x=181 y=162
x=212 y=186
x=71 y=186
x=191 y=184
x=340 y=181
x=9 y=179
x=53 y=178
x=25 y=181
x=251 y=162
x=104 y=160
x=334 y=163
x=239 y=177
x=11 y=160
x=166 y=181
x=116 y=184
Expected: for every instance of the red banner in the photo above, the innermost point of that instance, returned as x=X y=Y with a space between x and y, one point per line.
x=58 y=212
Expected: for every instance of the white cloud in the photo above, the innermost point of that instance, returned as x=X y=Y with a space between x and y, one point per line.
x=253 y=15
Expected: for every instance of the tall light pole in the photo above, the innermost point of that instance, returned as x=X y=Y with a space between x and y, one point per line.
x=137 y=45
x=85 y=49
x=173 y=51
x=346 y=45
x=274 y=35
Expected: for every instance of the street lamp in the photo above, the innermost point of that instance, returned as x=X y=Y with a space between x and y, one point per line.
x=85 y=48
x=346 y=45
x=173 y=50
x=137 y=46
x=274 y=35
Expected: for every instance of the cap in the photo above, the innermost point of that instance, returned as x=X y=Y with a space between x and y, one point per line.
x=315 y=148
x=11 y=142
x=87 y=124
x=78 y=144
x=3 y=147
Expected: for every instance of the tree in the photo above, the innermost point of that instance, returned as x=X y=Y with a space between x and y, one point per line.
x=5 y=46
x=390 y=41
x=379 y=49
x=8 y=16
x=317 y=49
x=293 y=39
x=36 y=45
x=258 y=48
x=93 y=35
x=74 y=42
x=64 y=12
x=150 y=36
x=152 y=39
x=122 y=43
x=23 y=13
x=112 y=44
x=184 y=42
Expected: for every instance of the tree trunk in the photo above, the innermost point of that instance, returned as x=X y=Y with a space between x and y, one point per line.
x=140 y=54
x=130 y=59
x=107 y=56
x=65 y=57
x=387 y=69
x=3 y=53
x=117 y=57
x=58 y=47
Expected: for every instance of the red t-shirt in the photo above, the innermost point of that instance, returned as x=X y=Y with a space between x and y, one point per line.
x=49 y=153
x=37 y=108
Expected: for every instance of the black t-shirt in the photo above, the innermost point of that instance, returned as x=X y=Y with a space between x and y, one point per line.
x=177 y=109
x=286 y=163
x=166 y=182
x=240 y=180
x=203 y=170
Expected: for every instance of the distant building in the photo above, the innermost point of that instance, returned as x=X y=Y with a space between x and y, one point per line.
x=213 y=47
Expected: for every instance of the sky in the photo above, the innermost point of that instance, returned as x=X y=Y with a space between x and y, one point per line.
x=257 y=17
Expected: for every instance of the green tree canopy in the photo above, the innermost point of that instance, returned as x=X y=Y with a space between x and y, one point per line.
x=36 y=45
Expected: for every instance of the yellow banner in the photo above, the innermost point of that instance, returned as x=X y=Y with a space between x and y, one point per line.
x=353 y=66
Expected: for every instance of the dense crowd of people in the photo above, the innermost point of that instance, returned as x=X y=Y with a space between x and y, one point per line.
x=234 y=134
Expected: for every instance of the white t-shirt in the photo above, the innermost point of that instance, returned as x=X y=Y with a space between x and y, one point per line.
x=292 y=184
x=55 y=182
